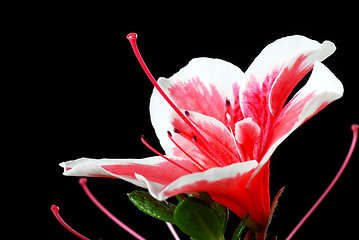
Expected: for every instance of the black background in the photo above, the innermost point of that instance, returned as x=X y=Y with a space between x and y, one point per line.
x=82 y=93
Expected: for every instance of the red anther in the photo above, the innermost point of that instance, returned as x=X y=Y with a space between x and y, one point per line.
x=228 y=103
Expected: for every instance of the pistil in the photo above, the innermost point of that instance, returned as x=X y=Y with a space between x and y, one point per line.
x=132 y=37
x=56 y=211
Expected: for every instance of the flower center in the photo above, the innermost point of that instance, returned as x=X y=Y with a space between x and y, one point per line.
x=242 y=155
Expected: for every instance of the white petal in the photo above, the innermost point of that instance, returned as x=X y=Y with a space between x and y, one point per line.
x=206 y=179
x=322 y=88
x=217 y=72
x=284 y=51
x=124 y=169
x=211 y=75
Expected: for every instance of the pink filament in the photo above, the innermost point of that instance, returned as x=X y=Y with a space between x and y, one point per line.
x=83 y=184
x=132 y=37
x=55 y=209
x=161 y=155
x=172 y=230
x=182 y=150
x=331 y=185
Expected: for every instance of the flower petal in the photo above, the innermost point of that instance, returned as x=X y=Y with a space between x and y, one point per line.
x=223 y=150
x=246 y=133
x=202 y=86
x=155 y=169
x=272 y=76
x=278 y=68
x=294 y=71
x=208 y=181
x=321 y=89
x=227 y=186
x=214 y=180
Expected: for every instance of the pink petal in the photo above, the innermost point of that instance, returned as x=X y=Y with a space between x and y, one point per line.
x=202 y=86
x=321 y=89
x=214 y=131
x=228 y=186
x=294 y=71
x=212 y=180
x=273 y=75
x=155 y=169
x=246 y=133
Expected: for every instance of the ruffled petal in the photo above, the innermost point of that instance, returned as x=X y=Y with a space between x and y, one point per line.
x=321 y=89
x=202 y=86
x=155 y=169
x=294 y=71
x=228 y=186
x=272 y=76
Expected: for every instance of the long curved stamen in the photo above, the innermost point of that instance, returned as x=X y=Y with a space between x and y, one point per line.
x=132 y=37
x=331 y=185
x=173 y=231
x=161 y=155
x=83 y=184
x=55 y=209
x=182 y=150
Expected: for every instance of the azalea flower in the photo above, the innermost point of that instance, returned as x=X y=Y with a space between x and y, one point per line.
x=219 y=126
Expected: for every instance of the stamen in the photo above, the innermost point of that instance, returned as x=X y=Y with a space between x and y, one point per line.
x=331 y=185
x=193 y=139
x=229 y=111
x=132 y=37
x=161 y=155
x=210 y=148
x=83 y=184
x=55 y=209
x=173 y=231
x=228 y=103
x=182 y=150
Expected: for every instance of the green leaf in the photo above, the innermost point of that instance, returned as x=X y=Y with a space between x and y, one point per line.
x=161 y=210
x=223 y=214
x=239 y=231
x=198 y=220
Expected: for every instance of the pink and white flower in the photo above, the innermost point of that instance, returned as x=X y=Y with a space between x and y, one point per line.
x=219 y=126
